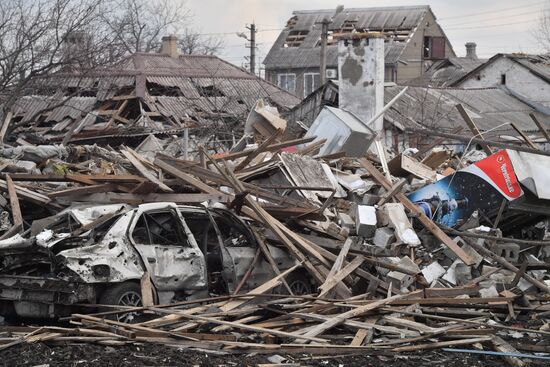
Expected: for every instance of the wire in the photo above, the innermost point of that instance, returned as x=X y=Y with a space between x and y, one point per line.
x=492 y=11
x=494 y=18
x=492 y=26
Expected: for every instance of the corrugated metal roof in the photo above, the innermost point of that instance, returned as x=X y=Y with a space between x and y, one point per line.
x=435 y=108
x=395 y=18
x=444 y=73
x=297 y=57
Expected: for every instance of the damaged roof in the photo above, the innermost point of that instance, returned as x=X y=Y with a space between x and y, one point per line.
x=446 y=72
x=536 y=64
x=298 y=44
x=145 y=92
x=435 y=108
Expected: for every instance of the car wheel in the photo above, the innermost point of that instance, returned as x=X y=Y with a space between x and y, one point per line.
x=299 y=284
x=123 y=294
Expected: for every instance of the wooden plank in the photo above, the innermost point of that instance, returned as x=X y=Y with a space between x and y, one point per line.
x=272 y=148
x=112 y=197
x=272 y=283
x=235 y=325
x=359 y=337
x=524 y=137
x=147 y=290
x=540 y=127
x=17 y=217
x=271 y=261
x=83 y=190
x=340 y=318
x=132 y=157
x=438 y=345
x=473 y=127
x=389 y=194
x=188 y=179
x=427 y=222
x=5 y=126
x=262 y=148
x=339 y=276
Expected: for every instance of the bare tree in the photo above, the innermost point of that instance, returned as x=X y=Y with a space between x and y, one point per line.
x=192 y=42
x=139 y=24
x=543 y=30
x=41 y=37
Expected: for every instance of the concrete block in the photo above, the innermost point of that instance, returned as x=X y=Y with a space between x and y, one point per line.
x=346 y=221
x=399 y=280
x=384 y=271
x=467 y=248
x=509 y=251
x=370 y=199
x=463 y=273
x=365 y=220
x=407 y=263
x=450 y=275
x=433 y=271
x=383 y=237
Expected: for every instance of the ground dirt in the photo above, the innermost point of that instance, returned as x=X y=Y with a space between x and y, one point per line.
x=155 y=355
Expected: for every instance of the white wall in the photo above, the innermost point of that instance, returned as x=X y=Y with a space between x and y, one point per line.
x=518 y=78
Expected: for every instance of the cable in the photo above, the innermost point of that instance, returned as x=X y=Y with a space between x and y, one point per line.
x=493 y=26
x=494 y=18
x=493 y=11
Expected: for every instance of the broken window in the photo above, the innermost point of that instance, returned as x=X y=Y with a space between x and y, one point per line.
x=160 y=228
x=503 y=79
x=312 y=81
x=295 y=38
x=287 y=82
x=434 y=47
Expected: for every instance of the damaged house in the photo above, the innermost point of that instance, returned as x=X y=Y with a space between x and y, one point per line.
x=526 y=76
x=145 y=93
x=496 y=112
x=414 y=40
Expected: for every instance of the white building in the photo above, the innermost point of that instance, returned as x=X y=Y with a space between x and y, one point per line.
x=525 y=76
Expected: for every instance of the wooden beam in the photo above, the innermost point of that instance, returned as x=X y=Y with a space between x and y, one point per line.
x=472 y=126
x=82 y=190
x=111 y=197
x=135 y=159
x=341 y=275
x=188 y=179
x=524 y=137
x=17 y=217
x=427 y=222
x=262 y=148
x=540 y=127
x=5 y=126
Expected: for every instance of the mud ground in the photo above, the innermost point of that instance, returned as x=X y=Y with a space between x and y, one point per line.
x=157 y=355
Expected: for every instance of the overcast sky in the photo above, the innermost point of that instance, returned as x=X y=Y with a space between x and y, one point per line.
x=495 y=25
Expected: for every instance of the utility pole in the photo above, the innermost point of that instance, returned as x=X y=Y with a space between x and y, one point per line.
x=252 y=29
x=251 y=46
x=324 y=40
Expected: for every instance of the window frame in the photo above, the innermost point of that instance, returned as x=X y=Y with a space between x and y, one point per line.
x=281 y=75
x=180 y=233
x=312 y=74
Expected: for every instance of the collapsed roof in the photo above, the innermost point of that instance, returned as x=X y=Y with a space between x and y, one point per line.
x=145 y=93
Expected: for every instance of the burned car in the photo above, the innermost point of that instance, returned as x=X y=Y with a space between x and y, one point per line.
x=99 y=255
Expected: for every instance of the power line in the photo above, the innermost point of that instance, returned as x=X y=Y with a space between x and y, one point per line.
x=493 y=11
x=494 y=18
x=492 y=26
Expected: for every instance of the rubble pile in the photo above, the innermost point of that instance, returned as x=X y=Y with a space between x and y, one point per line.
x=275 y=248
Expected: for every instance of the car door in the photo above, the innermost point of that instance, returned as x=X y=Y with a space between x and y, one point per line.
x=169 y=250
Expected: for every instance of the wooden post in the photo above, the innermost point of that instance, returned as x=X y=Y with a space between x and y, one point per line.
x=539 y=125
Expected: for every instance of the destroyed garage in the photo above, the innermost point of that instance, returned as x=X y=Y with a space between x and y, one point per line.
x=166 y=205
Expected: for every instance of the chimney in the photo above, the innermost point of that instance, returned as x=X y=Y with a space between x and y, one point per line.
x=169 y=46
x=361 y=76
x=471 y=50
